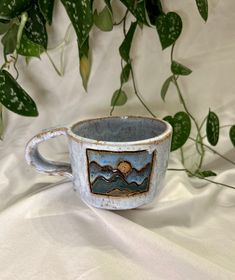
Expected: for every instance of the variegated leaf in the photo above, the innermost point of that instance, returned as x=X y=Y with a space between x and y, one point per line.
x=35 y=28
x=81 y=16
x=169 y=27
x=13 y=8
x=28 y=48
x=125 y=47
x=46 y=7
x=14 y=97
x=137 y=8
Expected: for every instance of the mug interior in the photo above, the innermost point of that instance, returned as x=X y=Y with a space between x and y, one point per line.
x=120 y=129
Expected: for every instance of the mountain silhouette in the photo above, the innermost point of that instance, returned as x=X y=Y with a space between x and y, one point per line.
x=139 y=176
x=101 y=171
x=108 y=171
x=103 y=186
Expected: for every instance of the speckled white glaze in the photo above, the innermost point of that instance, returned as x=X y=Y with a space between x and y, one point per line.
x=159 y=146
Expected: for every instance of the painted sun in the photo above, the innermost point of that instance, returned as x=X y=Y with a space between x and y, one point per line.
x=124 y=167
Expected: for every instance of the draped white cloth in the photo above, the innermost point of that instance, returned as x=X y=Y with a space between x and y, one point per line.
x=47 y=232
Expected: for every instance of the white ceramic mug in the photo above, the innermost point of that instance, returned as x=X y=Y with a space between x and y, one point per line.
x=116 y=162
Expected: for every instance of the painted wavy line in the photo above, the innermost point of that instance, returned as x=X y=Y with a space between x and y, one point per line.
x=107 y=172
x=114 y=176
x=103 y=187
x=108 y=167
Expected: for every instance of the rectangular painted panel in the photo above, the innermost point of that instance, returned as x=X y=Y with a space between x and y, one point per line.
x=119 y=174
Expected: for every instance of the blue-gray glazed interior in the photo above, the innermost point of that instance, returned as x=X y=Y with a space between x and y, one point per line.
x=120 y=129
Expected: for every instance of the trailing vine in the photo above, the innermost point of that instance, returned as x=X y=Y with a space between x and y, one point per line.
x=23 y=27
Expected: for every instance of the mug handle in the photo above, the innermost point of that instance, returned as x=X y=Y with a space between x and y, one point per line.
x=34 y=158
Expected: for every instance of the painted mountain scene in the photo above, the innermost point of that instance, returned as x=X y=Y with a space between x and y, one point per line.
x=119 y=173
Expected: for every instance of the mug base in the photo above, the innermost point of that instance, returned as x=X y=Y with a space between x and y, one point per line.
x=111 y=203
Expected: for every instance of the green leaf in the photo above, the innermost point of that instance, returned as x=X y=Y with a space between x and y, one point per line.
x=4 y=27
x=137 y=8
x=46 y=8
x=125 y=47
x=85 y=63
x=28 y=48
x=212 y=128
x=125 y=73
x=9 y=40
x=202 y=6
x=119 y=98
x=35 y=28
x=165 y=87
x=206 y=173
x=180 y=69
x=81 y=16
x=169 y=27
x=154 y=9
x=85 y=67
x=13 y=8
x=232 y=134
x=104 y=20
x=181 y=125
x=14 y=97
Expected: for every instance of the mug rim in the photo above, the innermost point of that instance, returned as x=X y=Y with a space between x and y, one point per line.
x=157 y=139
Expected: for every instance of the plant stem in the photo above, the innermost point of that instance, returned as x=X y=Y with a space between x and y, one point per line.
x=214 y=151
x=62 y=61
x=119 y=90
x=124 y=23
x=182 y=155
x=221 y=127
x=14 y=65
x=65 y=41
x=198 y=176
x=118 y=23
x=61 y=46
x=226 y=125
x=24 y=18
x=137 y=94
x=197 y=140
x=53 y=64
x=133 y=76
x=1 y=122
x=199 y=136
x=215 y=182
x=14 y=57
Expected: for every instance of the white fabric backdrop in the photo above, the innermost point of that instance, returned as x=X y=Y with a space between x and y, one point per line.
x=47 y=232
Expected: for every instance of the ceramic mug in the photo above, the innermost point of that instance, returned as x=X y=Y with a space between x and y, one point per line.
x=116 y=162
